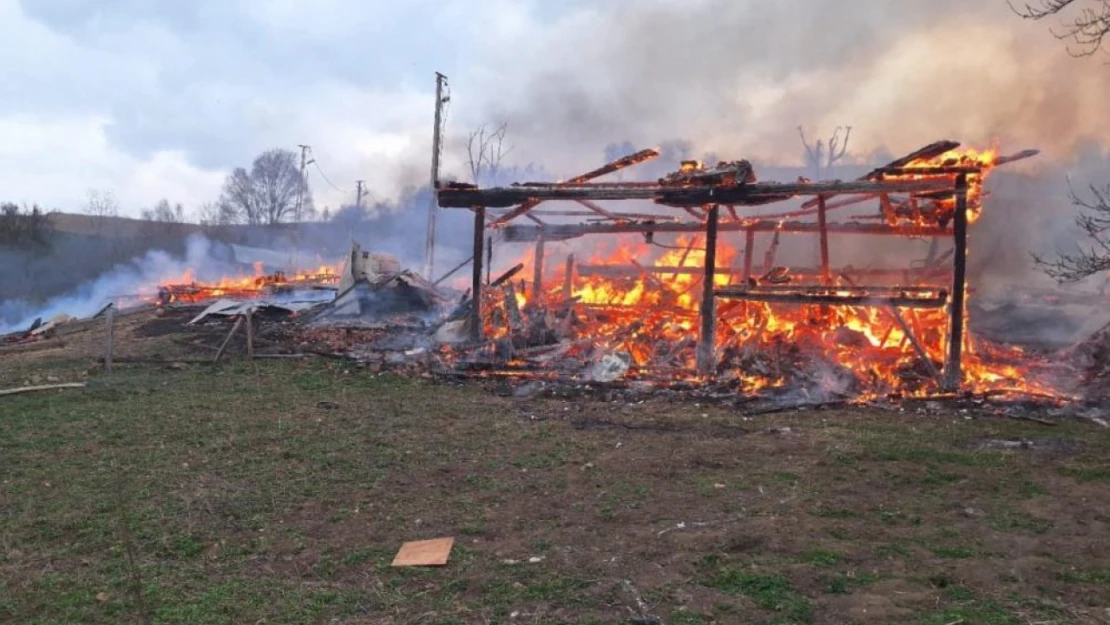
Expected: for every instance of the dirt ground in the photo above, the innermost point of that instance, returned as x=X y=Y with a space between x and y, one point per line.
x=279 y=492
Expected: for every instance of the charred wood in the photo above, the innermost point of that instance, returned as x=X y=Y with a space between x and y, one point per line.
x=553 y=232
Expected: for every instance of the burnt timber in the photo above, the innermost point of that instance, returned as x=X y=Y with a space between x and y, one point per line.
x=754 y=194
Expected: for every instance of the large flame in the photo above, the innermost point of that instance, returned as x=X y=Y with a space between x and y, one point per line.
x=187 y=289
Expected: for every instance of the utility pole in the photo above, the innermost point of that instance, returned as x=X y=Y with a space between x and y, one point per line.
x=359 y=193
x=430 y=245
x=304 y=182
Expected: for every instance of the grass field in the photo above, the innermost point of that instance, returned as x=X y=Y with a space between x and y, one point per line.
x=279 y=493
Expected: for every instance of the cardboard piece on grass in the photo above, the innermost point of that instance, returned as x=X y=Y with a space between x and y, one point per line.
x=433 y=552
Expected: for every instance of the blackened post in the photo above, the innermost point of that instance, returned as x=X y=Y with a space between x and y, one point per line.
x=708 y=313
x=823 y=226
x=476 y=281
x=952 y=369
x=489 y=256
x=537 y=271
x=749 y=250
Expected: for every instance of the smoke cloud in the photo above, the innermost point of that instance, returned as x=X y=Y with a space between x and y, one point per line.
x=737 y=77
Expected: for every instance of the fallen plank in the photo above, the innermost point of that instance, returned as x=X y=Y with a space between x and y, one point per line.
x=41 y=387
x=433 y=552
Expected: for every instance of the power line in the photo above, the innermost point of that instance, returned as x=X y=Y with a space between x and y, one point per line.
x=325 y=176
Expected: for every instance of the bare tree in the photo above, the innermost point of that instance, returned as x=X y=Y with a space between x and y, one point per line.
x=211 y=214
x=819 y=158
x=1087 y=28
x=268 y=193
x=103 y=208
x=101 y=204
x=1094 y=258
x=485 y=150
x=162 y=212
x=162 y=218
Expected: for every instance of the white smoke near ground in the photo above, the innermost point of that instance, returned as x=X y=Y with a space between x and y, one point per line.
x=126 y=282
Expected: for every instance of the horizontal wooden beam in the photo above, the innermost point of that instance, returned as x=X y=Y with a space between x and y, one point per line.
x=688 y=196
x=555 y=232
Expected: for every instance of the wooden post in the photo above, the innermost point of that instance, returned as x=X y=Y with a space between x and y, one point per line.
x=823 y=226
x=223 y=346
x=749 y=252
x=568 y=278
x=476 y=278
x=250 y=334
x=489 y=256
x=708 y=313
x=953 y=369
x=109 y=317
x=537 y=272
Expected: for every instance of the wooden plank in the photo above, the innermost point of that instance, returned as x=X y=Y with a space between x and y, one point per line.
x=41 y=387
x=435 y=552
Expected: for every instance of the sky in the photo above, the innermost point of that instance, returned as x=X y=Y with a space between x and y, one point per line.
x=154 y=99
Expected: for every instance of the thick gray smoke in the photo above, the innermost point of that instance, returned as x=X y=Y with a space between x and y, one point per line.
x=736 y=77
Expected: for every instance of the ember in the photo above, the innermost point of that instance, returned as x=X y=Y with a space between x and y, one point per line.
x=705 y=311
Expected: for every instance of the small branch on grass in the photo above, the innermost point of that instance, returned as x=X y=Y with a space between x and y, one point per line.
x=838 y=403
x=641 y=612
x=1025 y=417
x=43 y=387
x=131 y=551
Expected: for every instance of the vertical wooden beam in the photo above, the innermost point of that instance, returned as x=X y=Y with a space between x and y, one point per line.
x=476 y=278
x=953 y=368
x=568 y=278
x=489 y=257
x=706 y=359
x=537 y=271
x=749 y=251
x=109 y=319
x=250 y=334
x=823 y=227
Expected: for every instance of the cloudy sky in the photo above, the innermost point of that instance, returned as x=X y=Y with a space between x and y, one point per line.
x=160 y=98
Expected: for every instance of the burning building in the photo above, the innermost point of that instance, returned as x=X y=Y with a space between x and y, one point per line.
x=706 y=309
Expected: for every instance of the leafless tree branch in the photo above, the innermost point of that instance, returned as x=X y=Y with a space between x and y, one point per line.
x=1094 y=257
x=485 y=151
x=1089 y=27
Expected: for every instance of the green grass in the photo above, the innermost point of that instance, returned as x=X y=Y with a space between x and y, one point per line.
x=1098 y=473
x=243 y=501
x=770 y=591
x=845 y=583
x=1012 y=521
x=1090 y=576
x=820 y=557
x=957 y=552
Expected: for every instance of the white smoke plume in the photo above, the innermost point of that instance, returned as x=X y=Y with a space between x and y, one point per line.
x=140 y=276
